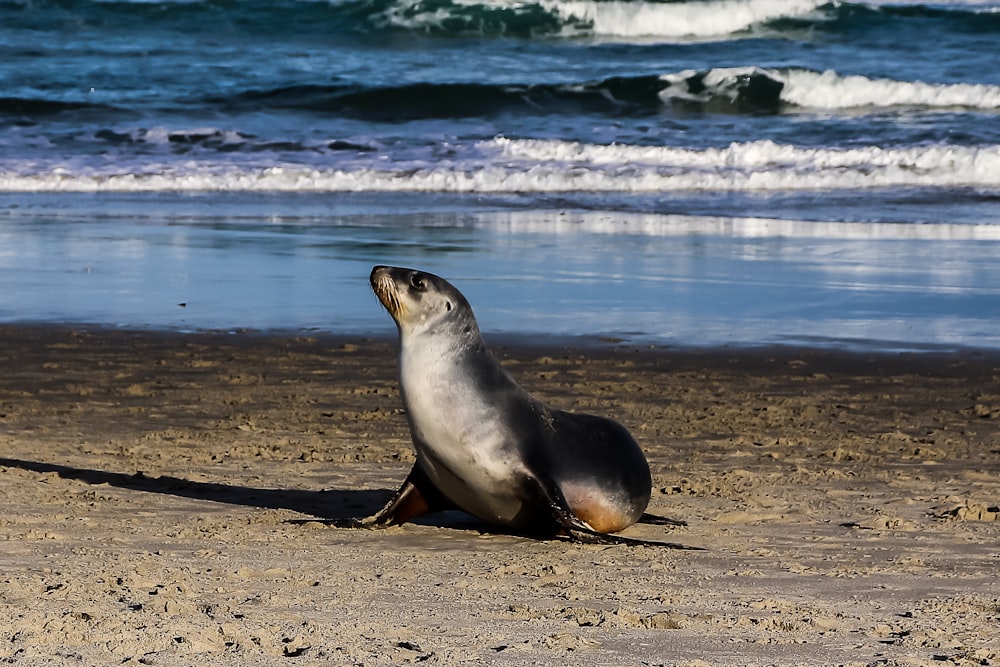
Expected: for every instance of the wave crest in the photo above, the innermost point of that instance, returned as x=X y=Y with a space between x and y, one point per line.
x=754 y=88
x=724 y=90
x=690 y=20
x=830 y=90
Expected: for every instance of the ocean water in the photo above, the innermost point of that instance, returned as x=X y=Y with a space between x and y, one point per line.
x=681 y=172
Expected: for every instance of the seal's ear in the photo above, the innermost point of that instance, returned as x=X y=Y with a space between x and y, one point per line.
x=447 y=305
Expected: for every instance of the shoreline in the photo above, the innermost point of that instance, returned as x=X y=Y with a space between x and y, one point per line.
x=538 y=342
x=847 y=503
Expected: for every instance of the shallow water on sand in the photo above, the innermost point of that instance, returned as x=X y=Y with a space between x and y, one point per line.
x=300 y=263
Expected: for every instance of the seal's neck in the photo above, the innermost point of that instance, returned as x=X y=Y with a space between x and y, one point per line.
x=441 y=342
x=458 y=330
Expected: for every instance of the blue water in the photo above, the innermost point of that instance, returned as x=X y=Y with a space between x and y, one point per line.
x=714 y=171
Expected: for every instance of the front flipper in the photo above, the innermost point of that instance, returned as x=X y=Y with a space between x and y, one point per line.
x=417 y=496
x=580 y=531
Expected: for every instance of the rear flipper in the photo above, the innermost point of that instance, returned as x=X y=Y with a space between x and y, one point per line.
x=580 y=531
x=585 y=535
x=416 y=497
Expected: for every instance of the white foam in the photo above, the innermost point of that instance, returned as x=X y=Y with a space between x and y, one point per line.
x=509 y=165
x=766 y=165
x=619 y=18
x=830 y=90
x=410 y=14
x=677 y=20
x=717 y=82
x=659 y=225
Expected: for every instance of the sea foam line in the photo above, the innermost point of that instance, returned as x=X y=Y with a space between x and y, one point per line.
x=760 y=158
x=677 y=225
x=504 y=165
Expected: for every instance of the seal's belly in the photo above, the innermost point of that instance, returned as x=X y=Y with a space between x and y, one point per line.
x=484 y=496
x=466 y=452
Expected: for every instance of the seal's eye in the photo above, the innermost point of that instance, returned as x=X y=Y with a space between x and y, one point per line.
x=417 y=282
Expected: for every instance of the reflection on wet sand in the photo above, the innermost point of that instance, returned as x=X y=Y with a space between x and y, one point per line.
x=301 y=263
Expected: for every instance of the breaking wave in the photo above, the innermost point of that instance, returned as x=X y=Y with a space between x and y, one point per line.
x=666 y=20
x=728 y=90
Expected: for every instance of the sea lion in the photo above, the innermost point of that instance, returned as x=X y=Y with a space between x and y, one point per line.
x=485 y=445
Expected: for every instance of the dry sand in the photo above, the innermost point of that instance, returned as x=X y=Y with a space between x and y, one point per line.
x=848 y=504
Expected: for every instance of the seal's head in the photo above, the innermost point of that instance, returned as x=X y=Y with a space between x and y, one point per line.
x=420 y=302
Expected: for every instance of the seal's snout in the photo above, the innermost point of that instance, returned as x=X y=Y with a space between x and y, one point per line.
x=377 y=273
x=384 y=286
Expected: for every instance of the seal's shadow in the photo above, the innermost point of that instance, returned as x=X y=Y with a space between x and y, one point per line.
x=324 y=504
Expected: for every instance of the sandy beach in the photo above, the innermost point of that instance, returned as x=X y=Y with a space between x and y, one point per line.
x=152 y=486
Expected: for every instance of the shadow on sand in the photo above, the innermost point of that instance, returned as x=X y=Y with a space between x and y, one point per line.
x=326 y=505
x=323 y=504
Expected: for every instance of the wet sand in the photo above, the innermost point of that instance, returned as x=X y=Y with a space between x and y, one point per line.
x=847 y=502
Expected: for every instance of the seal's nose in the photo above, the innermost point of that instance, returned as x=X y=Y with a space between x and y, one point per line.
x=377 y=271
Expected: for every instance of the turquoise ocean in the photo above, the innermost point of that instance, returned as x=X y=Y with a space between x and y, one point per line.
x=699 y=172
